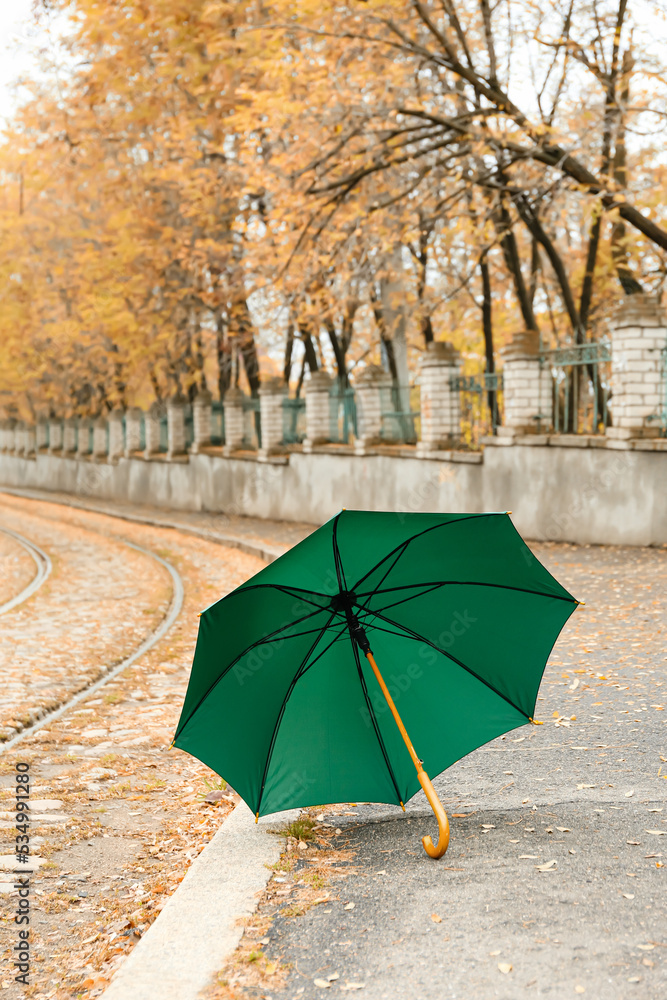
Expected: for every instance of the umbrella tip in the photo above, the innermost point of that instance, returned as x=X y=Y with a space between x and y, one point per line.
x=582 y=603
x=172 y=744
x=257 y=816
x=535 y=722
x=508 y=511
x=402 y=807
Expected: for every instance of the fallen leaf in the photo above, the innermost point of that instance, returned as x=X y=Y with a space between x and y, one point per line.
x=349 y=906
x=504 y=967
x=90 y=939
x=579 y=989
x=631 y=792
x=646 y=947
x=321 y=899
x=633 y=843
x=628 y=895
x=488 y=826
x=333 y=977
x=657 y=833
x=436 y=919
x=528 y=857
x=461 y=815
x=634 y=979
x=322 y=984
x=494 y=953
x=563 y=829
x=548 y=867
x=354 y=986
x=581 y=787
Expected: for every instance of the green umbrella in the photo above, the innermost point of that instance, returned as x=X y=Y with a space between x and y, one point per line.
x=286 y=699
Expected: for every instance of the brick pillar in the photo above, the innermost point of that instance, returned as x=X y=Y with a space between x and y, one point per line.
x=440 y=401
x=272 y=392
x=638 y=337
x=133 y=419
x=41 y=434
x=29 y=438
x=175 y=427
x=19 y=431
x=152 y=424
x=201 y=420
x=234 y=420
x=55 y=435
x=527 y=388
x=83 y=447
x=69 y=436
x=318 y=410
x=99 y=438
x=373 y=397
x=116 y=443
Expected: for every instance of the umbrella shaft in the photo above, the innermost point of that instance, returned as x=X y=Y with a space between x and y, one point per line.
x=399 y=722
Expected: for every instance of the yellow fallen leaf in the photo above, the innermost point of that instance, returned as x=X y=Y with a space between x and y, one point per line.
x=349 y=906
x=333 y=977
x=436 y=919
x=628 y=895
x=322 y=984
x=579 y=989
x=657 y=833
x=548 y=867
x=646 y=947
x=504 y=967
x=494 y=953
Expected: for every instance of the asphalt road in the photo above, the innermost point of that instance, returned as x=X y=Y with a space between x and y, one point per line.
x=583 y=793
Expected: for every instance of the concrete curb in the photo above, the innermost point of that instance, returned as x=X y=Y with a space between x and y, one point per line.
x=199 y=927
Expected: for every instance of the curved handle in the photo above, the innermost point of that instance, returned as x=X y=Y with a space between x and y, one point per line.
x=439 y=849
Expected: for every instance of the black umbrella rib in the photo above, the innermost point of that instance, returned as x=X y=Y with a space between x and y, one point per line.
x=431 y=585
x=376 y=727
x=279 y=718
x=244 y=652
x=415 y=635
x=403 y=545
x=283 y=588
x=338 y=562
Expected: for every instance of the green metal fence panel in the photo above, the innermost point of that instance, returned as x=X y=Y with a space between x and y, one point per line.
x=581 y=376
x=342 y=414
x=163 y=444
x=217 y=424
x=401 y=418
x=480 y=405
x=189 y=427
x=294 y=420
x=661 y=416
x=142 y=432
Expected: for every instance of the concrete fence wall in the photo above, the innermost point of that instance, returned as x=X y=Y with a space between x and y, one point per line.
x=610 y=495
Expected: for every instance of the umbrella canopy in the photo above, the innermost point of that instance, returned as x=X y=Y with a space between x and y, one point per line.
x=284 y=700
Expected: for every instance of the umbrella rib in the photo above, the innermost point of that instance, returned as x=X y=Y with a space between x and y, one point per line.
x=271 y=635
x=433 y=585
x=299 y=673
x=376 y=727
x=340 y=572
x=415 y=635
x=412 y=538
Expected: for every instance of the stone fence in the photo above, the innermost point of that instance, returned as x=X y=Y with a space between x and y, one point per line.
x=366 y=417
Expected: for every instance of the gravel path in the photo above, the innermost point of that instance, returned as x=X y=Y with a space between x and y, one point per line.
x=117 y=817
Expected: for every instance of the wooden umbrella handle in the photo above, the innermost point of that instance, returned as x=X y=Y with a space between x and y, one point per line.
x=439 y=849
x=433 y=851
